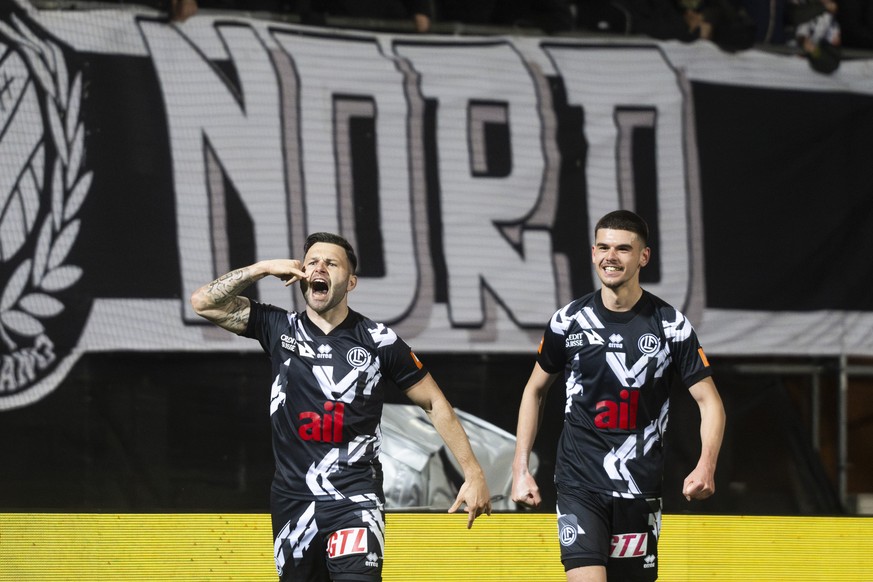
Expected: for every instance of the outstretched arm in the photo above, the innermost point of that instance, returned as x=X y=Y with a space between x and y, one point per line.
x=474 y=492
x=524 y=487
x=700 y=483
x=220 y=301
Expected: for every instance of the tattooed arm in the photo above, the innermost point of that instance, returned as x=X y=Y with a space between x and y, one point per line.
x=220 y=301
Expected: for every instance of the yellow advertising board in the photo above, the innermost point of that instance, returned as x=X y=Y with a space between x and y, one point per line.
x=422 y=547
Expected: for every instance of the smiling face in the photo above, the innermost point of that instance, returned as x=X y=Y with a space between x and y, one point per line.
x=618 y=256
x=328 y=277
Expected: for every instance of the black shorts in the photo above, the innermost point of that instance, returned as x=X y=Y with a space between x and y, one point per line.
x=597 y=529
x=320 y=541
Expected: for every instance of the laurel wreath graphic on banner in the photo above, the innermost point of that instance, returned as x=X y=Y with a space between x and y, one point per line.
x=28 y=296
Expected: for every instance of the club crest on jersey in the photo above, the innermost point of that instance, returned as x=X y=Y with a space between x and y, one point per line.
x=358 y=357
x=649 y=344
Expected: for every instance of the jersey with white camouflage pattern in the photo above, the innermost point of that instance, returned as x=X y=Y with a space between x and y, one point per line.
x=326 y=399
x=618 y=370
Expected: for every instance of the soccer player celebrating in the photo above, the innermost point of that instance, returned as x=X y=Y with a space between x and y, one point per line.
x=328 y=363
x=619 y=349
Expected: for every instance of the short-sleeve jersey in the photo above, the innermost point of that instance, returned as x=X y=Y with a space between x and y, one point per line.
x=326 y=399
x=618 y=368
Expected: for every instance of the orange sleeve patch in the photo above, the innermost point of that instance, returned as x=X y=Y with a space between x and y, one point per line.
x=540 y=348
x=703 y=357
x=416 y=360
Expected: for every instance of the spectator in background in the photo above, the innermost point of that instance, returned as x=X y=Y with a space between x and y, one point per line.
x=656 y=18
x=550 y=16
x=420 y=12
x=769 y=18
x=731 y=27
x=181 y=10
x=817 y=33
x=176 y=10
x=721 y=21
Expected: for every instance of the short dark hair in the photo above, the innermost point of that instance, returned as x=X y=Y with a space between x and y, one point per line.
x=334 y=239
x=625 y=220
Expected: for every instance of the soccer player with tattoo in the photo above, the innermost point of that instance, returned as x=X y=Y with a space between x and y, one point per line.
x=328 y=367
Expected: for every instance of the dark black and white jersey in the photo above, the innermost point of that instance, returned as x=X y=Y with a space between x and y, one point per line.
x=618 y=368
x=326 y=399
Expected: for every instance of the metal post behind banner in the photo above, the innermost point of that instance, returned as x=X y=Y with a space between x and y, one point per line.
x=847 y=371
x=843 y=427
x=816 y=411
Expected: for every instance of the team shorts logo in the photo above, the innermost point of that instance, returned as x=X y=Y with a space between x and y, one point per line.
x=39 y=212
x=649 y=344
x=347 y=542
x=649 y=562
x=568 y=529
x=629 y=545
x=358 y=357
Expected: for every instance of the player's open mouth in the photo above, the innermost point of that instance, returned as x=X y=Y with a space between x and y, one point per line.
x=318 y=286
x=611 y=269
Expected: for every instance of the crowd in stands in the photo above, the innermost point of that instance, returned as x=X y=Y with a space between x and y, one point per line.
x=816 y=29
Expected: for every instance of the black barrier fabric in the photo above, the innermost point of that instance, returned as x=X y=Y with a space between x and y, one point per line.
x=132 y=432
x=770 y=241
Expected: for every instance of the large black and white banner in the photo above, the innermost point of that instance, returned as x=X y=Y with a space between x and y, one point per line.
x=141 y=159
